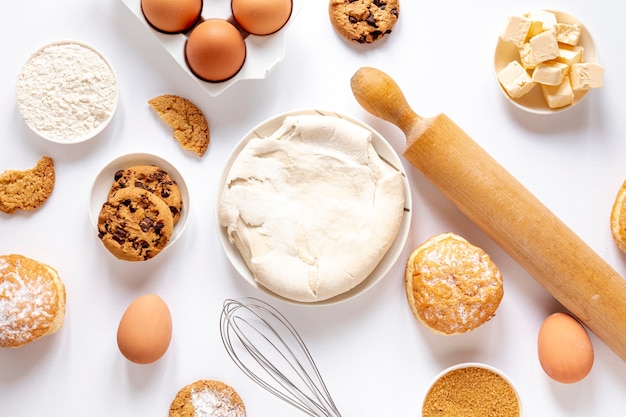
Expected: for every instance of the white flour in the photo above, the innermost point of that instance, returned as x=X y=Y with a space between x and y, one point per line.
x=66 y=91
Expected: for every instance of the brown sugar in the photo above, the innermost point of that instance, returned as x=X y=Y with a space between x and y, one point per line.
x=471 y=392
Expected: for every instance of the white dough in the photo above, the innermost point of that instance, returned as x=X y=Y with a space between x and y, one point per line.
x=312 y=208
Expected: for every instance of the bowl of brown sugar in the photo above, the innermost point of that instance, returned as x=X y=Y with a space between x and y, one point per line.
x=471 y=389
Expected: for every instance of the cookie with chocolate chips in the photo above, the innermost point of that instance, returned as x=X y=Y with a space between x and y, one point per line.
x=134 y=224
x=153 y=179
x=363 y=21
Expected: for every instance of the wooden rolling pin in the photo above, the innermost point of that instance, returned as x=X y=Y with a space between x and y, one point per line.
x=505 y=210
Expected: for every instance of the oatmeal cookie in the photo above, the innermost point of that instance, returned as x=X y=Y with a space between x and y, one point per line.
x=207 y=398
x=27 y=189
x=190 y=126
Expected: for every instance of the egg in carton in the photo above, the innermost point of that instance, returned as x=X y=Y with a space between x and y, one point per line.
x=248 y=36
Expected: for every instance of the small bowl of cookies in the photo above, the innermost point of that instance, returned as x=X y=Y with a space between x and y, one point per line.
x=139 y=205
x=546 y=61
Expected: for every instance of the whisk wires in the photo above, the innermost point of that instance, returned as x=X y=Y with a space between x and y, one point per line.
x=269 y=350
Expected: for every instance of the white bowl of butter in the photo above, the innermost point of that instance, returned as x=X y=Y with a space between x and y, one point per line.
x=529 y=74
x=284 y=275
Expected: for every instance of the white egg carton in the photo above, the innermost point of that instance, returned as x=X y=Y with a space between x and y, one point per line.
x=263 y=53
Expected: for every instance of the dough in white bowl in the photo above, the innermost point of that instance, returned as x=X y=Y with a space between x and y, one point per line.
x=312 y=208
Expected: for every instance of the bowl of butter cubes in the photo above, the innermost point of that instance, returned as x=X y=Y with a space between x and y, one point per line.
x=546 y=61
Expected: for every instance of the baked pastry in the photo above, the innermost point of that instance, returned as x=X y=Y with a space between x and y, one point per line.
x=154 y=179
x=207 y=398
x=32 y=300
x=27 y=189
x=190 y=126
x=618 y=218
x=363 y=21
x=134 y=224
x=452 y=286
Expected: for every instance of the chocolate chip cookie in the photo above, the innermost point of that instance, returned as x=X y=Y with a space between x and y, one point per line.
x=27 y=189
x=363 y=21
x=154 y=179
x=134 y=224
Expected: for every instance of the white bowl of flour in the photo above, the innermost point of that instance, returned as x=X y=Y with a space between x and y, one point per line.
x=67 y=92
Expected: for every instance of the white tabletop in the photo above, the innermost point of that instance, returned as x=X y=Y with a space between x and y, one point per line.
x=374 y=356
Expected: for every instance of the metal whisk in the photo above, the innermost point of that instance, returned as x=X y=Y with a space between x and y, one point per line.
x=267 y=348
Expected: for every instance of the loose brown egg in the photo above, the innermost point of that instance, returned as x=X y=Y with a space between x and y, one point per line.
x=261 y=17
x=145 y=330
x=215 y=50
x=171 y=16
x=565 y=349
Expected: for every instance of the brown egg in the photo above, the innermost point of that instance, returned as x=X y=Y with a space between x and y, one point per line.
x=215 y=50
x=261 y=17
x=564 y=348
x=171 y=16
x=145 y=330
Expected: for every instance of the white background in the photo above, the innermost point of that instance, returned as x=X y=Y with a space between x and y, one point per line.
x=376 y=359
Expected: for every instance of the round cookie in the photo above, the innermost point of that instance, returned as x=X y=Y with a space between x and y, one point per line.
x=134 y=224
x=153 y=179
x=363 y=21
x=207 y=398
x=452 y=286
x=32 y=300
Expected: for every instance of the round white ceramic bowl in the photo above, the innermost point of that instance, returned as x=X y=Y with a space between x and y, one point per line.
x=533 y=102
x=473 y=365
x=386 y=152
x=70 y=139
x=103 y=182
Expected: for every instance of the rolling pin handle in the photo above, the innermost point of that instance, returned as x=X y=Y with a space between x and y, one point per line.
x=379 y=94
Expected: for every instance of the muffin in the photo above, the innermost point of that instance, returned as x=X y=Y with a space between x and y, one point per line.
x=452 y=286
x=32 y=300
x=618 y=219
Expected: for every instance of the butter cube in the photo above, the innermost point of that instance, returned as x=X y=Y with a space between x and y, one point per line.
x=542 y=20
x=586 y=75
x=550 y=73
x=527 y=58
x=515 y=80
x=545 y=46
x=516 y=30
x=570 y=55
x=558 y=95
x=568 y=33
